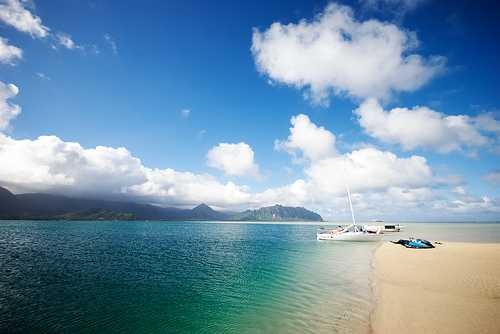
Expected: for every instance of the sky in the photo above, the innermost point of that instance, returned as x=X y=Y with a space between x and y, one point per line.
x=243 y=105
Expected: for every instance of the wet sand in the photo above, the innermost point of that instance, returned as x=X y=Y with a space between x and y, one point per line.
x=454 y=288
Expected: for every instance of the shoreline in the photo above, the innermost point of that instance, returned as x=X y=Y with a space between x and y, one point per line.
x=453 y=288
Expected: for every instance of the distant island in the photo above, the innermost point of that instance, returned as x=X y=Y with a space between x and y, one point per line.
x=38 y=206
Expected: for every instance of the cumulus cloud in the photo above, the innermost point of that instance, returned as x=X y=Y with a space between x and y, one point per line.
x=420 y=127
x=307 y=140
x=16 y=15
x=364 y=169
x=50 y=164
x=383 y=185
x=233 y=159
x=336 y=53
x=9 y=53
x=369 y=169
x=168 y=186
x=8 y=110
x=371 y=174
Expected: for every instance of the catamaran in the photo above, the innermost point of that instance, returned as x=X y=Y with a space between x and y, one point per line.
x=352 y=232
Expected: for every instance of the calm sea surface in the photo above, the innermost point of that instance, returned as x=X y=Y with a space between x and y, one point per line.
x=187 y=277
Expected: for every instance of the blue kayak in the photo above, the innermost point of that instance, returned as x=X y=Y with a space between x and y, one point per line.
x=414 y=243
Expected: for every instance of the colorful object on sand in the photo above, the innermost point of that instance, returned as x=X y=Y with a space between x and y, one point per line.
x=414 y=243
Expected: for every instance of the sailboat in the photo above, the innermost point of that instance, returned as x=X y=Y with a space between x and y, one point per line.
x=352 y=232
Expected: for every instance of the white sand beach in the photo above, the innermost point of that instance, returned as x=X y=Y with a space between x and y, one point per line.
x=454 y=288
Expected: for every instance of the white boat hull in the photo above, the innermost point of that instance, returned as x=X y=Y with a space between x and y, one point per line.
x=350 y=236
x=392 y=228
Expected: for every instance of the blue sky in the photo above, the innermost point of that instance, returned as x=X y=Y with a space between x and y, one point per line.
x=134 y=67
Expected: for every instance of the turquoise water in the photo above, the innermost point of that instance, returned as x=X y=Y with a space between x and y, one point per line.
x=187 y=277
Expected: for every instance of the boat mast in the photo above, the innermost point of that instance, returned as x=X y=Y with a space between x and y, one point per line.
x=350 y=203
x=348 y=195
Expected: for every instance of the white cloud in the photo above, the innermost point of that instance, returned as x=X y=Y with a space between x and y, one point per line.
x=306 y=138
x=168 y=186
x=493 y=177
x=66 y=41
x=376 y=178
x=337 y=53
x=383 y=185
x=297 y=193
x=49 y=164
x=185 y=113
x=369 y=169
x=366 y=169
x=233 y=159
x=15 y=14
x=8 y=110
x=395 y=202
x=111 y=42
x=419 y=127
x=9 y=53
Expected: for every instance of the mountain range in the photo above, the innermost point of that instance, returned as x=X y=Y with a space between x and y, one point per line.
x=47 y=206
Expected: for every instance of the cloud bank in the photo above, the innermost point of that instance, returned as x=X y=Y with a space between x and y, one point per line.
x=49 y=164
x=382 y=182
x=422 y=127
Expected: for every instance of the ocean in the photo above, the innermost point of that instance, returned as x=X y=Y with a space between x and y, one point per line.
x=191 y=277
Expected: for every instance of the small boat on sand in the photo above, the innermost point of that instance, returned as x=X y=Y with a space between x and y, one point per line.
x=393 y=227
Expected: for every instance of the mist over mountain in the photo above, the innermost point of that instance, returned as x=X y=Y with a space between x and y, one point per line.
x=47 y=206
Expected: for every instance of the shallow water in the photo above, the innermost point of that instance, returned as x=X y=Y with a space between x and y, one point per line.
x=454 y=232
x=187 y=277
